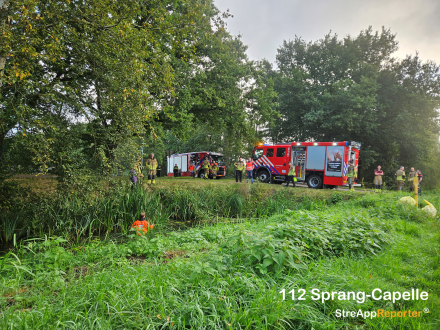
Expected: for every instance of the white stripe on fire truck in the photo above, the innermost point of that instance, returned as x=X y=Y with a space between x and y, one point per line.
x=266 y=159
x=268 y=164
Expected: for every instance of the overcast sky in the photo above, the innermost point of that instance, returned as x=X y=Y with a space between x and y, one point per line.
x=264 y=24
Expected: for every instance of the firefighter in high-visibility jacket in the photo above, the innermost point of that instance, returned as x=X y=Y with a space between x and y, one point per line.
x=412 y=175
x=351 y=174
x=191 y=170
x=239 y=167
x=151 y=166
x=291 y=176
x=400 y=176
x=378 y=178
x=206 y=166
x=250 y=170
x=214 y=170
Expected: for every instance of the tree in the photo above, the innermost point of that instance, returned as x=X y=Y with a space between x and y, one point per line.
x=103 y=62
x=352 y=89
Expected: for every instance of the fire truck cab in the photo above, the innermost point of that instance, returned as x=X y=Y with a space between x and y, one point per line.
x=316 y=163
x=185 y=160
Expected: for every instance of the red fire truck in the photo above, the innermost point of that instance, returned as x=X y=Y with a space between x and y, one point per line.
x=316 y=163
x=185 y=160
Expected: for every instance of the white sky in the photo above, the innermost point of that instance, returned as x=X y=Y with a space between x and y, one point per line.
x=264 y=24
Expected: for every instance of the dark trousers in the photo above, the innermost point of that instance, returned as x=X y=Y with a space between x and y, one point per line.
x=176 y=173
x=290 y=179
x=378 y=186
x=238 y=174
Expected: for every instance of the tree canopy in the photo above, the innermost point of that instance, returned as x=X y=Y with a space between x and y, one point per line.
x=353 y=89
x=84 y=84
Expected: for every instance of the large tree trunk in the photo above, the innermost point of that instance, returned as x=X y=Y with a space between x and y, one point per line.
x=3 y=21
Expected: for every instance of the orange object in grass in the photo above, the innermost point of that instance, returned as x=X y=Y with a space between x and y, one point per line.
x=142 y=227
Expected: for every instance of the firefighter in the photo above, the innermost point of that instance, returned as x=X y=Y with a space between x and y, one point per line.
x=133 y=176
x=151 y=166
x=138 y=167
x=214 y=169
x=291 y=176
x=191 y=170
x=420 y=176
x=142 y=226
x=378 y=178
x=176 y=170
x=412 y=175
x=250 y=170
x=351 y=174
x=400 y=176
x=239 y=167
x=206 y=166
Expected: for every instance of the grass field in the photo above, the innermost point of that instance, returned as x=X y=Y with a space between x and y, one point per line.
x=219 y=257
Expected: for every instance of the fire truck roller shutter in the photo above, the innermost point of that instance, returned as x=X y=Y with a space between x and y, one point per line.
x=334 y=161
x=178 y=161
x=315 y=158
x=170 y=164
x=184 y=166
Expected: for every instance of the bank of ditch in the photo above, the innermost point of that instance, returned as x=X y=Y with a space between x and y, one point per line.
x=78 y=216
x=230 y=275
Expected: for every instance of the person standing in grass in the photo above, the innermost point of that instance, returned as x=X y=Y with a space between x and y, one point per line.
x=351 y=174
x=420 y=176
x=291 y=176
x=378 y=173
x=151 y=165
x=400 y=176
x=176 y=170
x=191 y=170
x=206 y=166
x=214 y=169
x=250 y=170
x=133 y=177
x=136 y=173
x=412 y=175
x=142 y=226
x=239 y=167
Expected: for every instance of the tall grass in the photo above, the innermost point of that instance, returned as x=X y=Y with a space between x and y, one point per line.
x=76 y=217
x=231 y=275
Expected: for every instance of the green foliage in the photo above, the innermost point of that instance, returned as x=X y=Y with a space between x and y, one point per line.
x=143 y=246
x=235 y=205
x=229 y=273
x=110 y=65
x=341 y=89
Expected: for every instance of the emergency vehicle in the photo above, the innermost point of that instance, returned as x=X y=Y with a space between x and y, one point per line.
x=185 y=160
x=316 y=163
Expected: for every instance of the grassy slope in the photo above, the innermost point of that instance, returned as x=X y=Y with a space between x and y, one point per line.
x=207 y=285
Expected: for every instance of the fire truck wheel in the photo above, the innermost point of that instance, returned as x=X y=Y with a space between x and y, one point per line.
x=201 y=175
x=314 y=181
x=263 y=176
